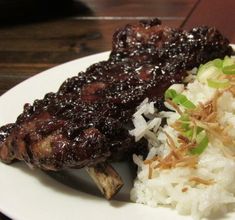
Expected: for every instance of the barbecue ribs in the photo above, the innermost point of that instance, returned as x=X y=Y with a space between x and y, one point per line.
x=86 y=122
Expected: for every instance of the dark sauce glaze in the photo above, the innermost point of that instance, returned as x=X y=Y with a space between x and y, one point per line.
x=86 y=122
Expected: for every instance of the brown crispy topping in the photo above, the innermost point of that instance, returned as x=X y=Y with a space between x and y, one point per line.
x=203 y=116
x=178 y=156
x=185 y=189
x=150 y=172
x=199 y=180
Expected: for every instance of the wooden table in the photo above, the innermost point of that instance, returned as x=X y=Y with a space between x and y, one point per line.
x=39 y=35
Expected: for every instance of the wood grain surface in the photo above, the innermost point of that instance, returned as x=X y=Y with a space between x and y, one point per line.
x=30 y=44
x=37 y=35
x=214 y=13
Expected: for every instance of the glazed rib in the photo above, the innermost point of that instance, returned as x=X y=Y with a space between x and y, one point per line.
x=86 y=122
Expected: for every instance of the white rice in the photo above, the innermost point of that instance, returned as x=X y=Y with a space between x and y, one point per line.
x=166 y=185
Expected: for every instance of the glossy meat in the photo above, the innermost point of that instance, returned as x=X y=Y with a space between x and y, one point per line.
x=86 y=122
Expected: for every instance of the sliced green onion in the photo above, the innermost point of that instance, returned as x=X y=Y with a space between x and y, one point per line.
x=202 y=142
x=202 y=68
x=218 y=84
x=208 y=73
x=179 y=99
x=188 y=133
x=184 y=120
x=185 y=123
x=218 y=63
x=188 y=104
x=199 y=129
x=170 y=94
x=227 y=61
x=213 y=69
x=182 y=100
x=229 y=69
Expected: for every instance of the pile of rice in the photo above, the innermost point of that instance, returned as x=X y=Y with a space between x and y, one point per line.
x=202 y=189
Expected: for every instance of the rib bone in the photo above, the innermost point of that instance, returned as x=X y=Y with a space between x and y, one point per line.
x=106 y=178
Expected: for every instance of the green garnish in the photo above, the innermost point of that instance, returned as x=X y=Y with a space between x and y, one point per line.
x=229 y=69
x=218 y=84
x=184 y=120
x=188 y=133
x=170 y=94
x=211 y=71
x=194 y=134
x=228 y=61
x=217 y=63
x=179 y=99
x=202 y=142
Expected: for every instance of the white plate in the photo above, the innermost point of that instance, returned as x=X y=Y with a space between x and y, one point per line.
x=31 y=194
